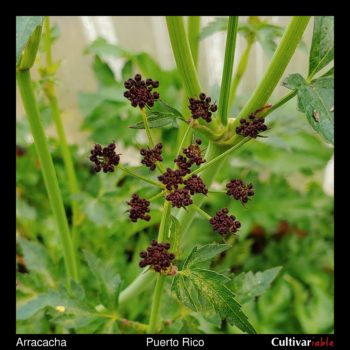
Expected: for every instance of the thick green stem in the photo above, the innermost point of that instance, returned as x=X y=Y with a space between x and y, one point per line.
x=228 y=67
x=50 y=93
x=241 y=69
x=193 y=29
x=157 y=294
x=277 y=66
x=182 y=54
x=48 y=170
x=142 y=281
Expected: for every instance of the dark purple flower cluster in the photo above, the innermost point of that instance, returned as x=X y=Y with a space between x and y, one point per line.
x=139 y=208
x=194 y=153
x=180 y=198
x=139 y=91
x=104 y=158
x=171 y=179
x=195 y=185
x=151 y=156
x=157 y=256
x=202 y=107
x=252 y=126
x=224 y=223
x=238 y=190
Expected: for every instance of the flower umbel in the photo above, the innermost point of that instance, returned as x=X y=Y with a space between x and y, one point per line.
x=151 y=156
x=224 y=223
x=139 y=208
x=139 y=92
x=238 y=190
x=252 y=126
x=195 y=184
x=180 y=198
x=194 y=153
x=157 y=256
x=171 y=179
x=104 y=158
x=202 y=107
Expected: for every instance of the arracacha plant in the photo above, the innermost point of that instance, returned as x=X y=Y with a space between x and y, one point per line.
x=178 y=210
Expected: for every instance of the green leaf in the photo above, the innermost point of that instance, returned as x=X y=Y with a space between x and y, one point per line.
x=316 y=100
x=322 y=47
x=25 y=27
x=203 y=290
x=249 y=285
x=110 y=281
x=218 y=25
x=162 y=106
x=156 y=120
x=103 y=72
x=204 y=254
x=35 y=255
x=127 y=70
x=101 y=46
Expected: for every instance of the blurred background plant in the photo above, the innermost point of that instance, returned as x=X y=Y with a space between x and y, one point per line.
x=287 y=233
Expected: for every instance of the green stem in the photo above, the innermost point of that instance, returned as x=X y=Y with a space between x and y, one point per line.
x=184 y=138
x=158 y=195
x=182 y=54
x=48 y=170
x=277 y=66
x=201 y=212
x=150 y=138
x=241 y=69
x=66 y=154
x=47 y=41
x=143 y=178
x=280 y=103
x=217 y=159
x=154 y=318
x=193 y=30
x=148 y=130
x=186 y=217
x=158 y=290
x=228 y=67
x=142 y=281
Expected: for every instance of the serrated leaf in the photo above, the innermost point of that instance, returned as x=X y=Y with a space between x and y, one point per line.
x=110 y=281
x=35 y=255
x=316 y=100
x=52 y=299
x=218 y=25
x=322 y=47
x=249 y=285
x=204 y=253
x=25 y=26
x=203 y=290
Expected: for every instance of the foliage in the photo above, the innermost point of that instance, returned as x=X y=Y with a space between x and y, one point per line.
x=275 y=276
